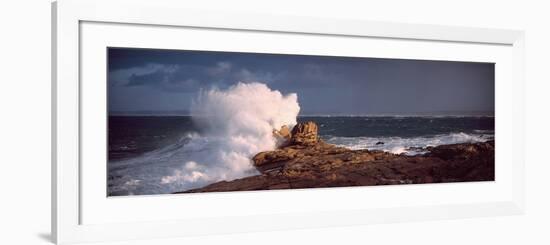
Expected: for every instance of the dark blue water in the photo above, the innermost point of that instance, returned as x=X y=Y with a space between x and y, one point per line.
x=131 y=136
x=398 y=126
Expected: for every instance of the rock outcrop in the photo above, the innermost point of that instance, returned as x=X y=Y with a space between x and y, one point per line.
x=304 y=134
x=305 y=161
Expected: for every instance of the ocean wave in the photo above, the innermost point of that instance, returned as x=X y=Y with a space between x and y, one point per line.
x=408 y=146
x=236 y=124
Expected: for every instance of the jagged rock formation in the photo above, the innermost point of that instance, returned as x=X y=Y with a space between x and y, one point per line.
x=304 y=134
x=305 y=161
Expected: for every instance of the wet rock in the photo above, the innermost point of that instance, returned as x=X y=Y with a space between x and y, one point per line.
x=464 y=151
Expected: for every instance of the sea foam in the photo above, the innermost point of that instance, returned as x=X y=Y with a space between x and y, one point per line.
x=408 y=145
x=240 y=122
x=236 y=123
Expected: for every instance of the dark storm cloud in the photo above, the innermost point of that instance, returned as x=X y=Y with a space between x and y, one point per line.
x=188 y=78
x=146 y=79
x=168 y=79
x=171 y=78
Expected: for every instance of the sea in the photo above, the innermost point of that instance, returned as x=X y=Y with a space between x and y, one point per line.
x=164 y=154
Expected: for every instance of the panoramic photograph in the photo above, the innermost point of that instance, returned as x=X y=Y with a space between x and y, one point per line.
x=184 y=121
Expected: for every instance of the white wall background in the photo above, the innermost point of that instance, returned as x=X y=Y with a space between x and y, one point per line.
x=25 y=122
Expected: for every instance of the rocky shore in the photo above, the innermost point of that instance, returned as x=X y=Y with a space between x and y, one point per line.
x=305 y=161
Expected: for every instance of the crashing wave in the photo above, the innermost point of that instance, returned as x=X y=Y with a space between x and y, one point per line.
x=236 y=123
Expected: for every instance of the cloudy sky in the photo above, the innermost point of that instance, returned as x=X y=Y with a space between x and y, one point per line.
x=160 y=81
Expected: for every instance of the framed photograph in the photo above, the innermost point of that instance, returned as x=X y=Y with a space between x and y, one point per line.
x=174 y=122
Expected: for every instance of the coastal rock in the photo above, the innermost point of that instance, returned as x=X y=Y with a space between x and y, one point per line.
x=308 y=162
x=289 y=155
x=462 y=151
x=282 y=134
x=272 y=157
x=304 y=134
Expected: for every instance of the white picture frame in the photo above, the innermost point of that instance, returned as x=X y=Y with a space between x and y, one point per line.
x=68 y=197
